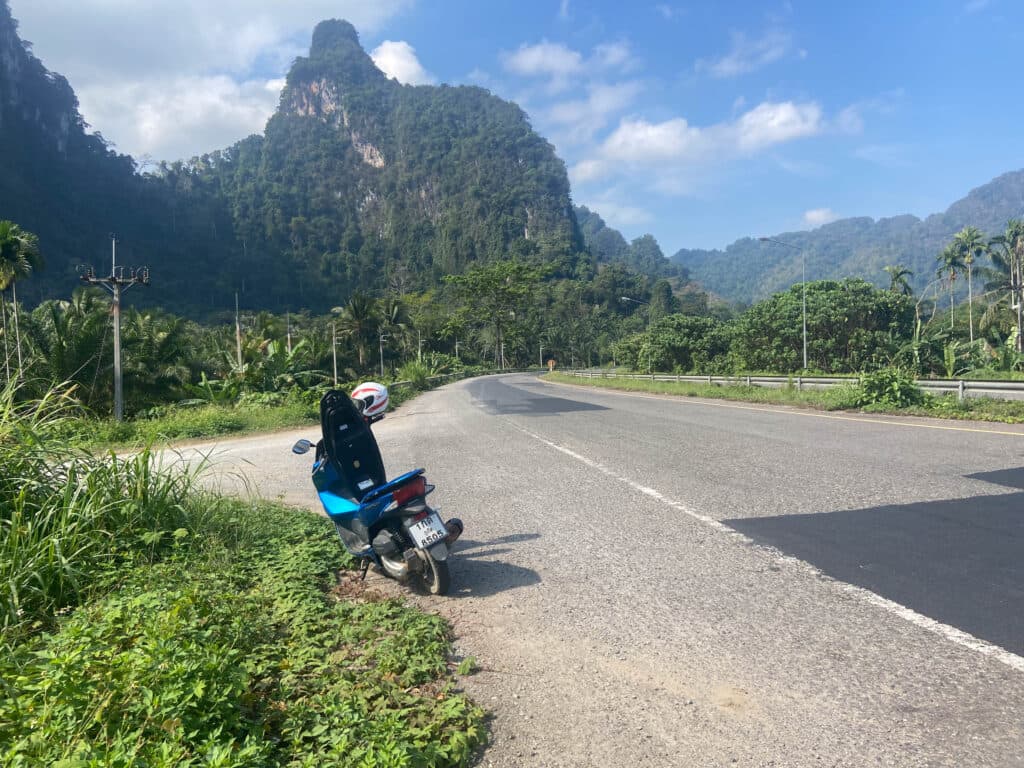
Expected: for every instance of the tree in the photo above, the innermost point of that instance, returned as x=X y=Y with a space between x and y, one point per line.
x=898 y=279
x=663 y=302
x=951 y=264
x=494 y=297
x=1007 y=273
x=851 y=326
x=969 y=244
x=19 y=255
x=359 y=320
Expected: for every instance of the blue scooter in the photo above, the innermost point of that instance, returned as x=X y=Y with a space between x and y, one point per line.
x=388 y=523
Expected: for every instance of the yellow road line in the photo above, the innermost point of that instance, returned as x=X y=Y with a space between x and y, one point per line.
x=782 y=408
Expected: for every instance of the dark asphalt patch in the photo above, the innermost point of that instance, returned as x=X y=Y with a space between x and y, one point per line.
x=960 y=562
x=499 y=399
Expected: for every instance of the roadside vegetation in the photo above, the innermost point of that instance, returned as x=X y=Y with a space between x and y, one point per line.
x=143 y=622
x=884 y=391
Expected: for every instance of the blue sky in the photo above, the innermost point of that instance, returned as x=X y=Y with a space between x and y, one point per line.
x=697 y=122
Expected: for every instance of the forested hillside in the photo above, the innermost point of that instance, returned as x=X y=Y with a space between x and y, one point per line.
x=607 y=245
x=359 y=183
x=857 y=247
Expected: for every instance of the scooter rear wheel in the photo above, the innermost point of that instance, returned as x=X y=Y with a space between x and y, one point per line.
x=434 y=576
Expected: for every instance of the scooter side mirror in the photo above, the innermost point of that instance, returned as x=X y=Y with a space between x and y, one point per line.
x=302 y=446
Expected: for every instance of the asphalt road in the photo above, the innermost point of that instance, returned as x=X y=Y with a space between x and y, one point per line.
x=677 y=582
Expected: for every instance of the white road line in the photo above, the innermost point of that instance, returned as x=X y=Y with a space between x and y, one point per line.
x=952 y=634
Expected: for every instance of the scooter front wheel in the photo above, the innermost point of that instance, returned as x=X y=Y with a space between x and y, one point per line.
x=434 y=575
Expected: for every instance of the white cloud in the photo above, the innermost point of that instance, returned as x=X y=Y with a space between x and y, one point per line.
x=748 y=55
x=181 y=117
x=769 y=123
x=585 y=117
x=850 y=120
x=562 y=65
x=666 y=149
x=885 y=155
x=109 y=48
x=976 y=6
x=618 y=215
x=563 y=10
x=545 y=59
x=818 y=216
x=667 y=11
x=611 y=56
x=397 y=59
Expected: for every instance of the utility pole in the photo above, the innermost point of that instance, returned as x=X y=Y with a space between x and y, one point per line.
x=382 y=337
x=541 y=355
x=238 y=335
x=419 y=346
x=116 y=283
x=288 y=321
x=457 y=351
x=334 y=350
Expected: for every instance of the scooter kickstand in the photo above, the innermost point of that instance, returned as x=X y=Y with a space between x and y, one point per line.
x=364 y=569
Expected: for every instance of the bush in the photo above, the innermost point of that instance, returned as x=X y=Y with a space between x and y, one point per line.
x=229 y=653
x=416 y=373
x=892 y=387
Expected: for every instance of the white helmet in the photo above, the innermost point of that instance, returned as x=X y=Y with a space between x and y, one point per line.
x=373 y=399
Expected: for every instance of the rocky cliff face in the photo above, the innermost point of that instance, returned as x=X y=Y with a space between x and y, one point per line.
x=21 y=77
x=358 y=182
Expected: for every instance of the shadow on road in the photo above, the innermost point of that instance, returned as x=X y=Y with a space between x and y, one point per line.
x=1011 y=478
x=959 y=561
x=499 y=399
x=477 y=573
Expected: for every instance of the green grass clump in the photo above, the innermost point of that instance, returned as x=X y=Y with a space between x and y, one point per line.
x=189 y=423
x=230 y=652
x=836 y=398
x=145 y=624
x=885 y=396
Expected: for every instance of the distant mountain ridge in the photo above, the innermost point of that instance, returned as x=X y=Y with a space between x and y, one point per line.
x=358 y=183
x=607 y=245
x=749 y=270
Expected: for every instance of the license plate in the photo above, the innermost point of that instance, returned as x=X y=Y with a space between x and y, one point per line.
x=428 y=531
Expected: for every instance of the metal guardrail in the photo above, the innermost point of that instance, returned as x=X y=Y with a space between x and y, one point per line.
x=1006 y=390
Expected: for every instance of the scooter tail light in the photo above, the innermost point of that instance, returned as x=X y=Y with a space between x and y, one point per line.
x=411 y=490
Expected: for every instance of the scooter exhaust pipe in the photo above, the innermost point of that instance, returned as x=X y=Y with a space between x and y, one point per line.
x=455 y=528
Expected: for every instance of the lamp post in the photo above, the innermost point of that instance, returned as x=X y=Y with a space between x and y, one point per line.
x=382 y=337
x=803 y=282
x=540 y=355
x=645 y=303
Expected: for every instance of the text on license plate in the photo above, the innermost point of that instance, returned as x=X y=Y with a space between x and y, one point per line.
x=428 y=531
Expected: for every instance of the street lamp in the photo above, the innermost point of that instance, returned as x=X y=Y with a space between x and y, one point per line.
x=382 y=337
x=803 y=282
x=541 y=355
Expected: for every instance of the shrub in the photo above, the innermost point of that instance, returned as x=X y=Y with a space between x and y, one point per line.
x=892 y=387
x=416 y=373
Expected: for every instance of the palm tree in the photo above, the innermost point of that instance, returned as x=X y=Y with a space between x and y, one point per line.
x=898 y=282
x=19 y=255
x=950 y=264
x=359 y=319
x=969 y=244
x=1007 y=272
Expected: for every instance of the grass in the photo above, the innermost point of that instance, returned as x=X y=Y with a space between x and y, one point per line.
x=189 y=423
x=146 y=624
x=254 y=413
x=832 y=399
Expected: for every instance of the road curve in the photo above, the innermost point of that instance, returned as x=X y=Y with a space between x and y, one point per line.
x=677 y=582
